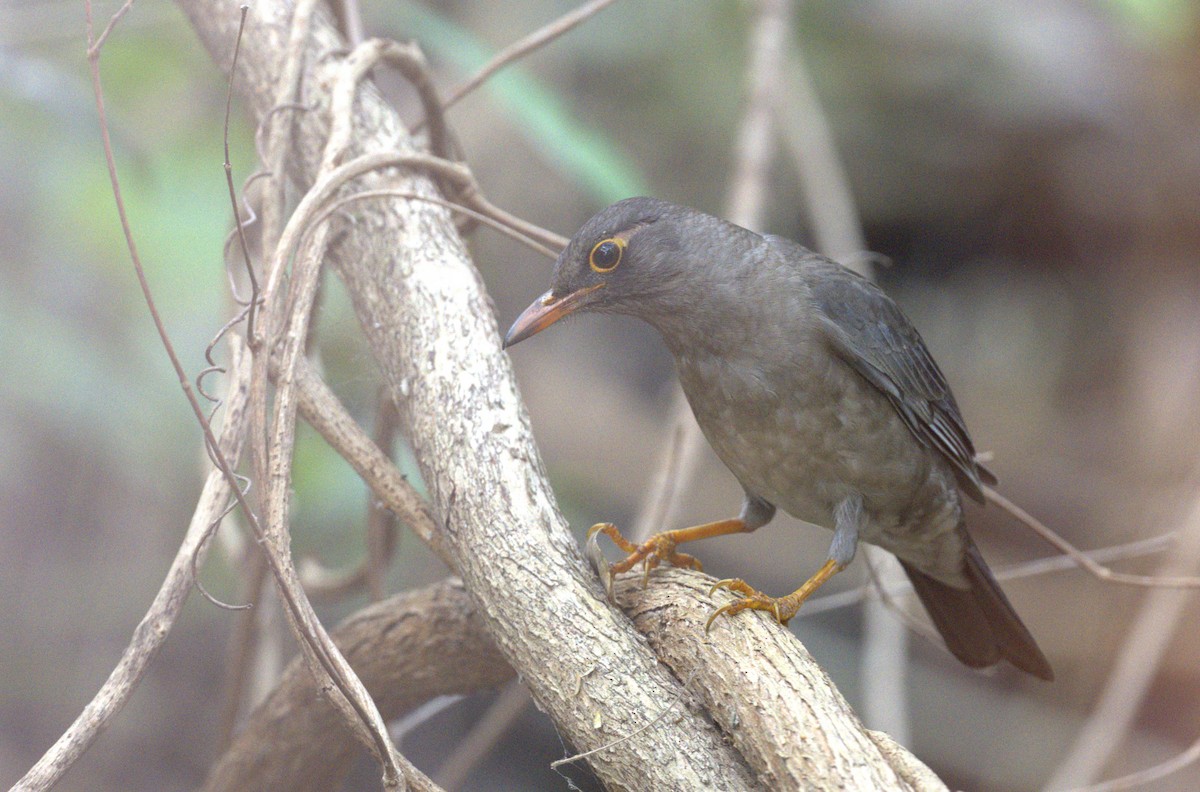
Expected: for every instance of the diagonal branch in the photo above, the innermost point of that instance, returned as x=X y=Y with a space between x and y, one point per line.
x=152 y=631
x=430 y=324
x=519 y=49
x=761 y=685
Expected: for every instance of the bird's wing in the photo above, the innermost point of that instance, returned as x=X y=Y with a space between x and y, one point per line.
x=867 y=330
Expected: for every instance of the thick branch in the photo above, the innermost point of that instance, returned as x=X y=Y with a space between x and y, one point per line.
x=406 y=650
x=430 y=324
x=427 y=643
x=766 y=691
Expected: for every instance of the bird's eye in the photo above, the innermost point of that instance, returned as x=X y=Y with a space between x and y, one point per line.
x=606 y=255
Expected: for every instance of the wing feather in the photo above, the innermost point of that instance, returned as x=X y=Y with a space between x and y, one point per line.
x=868 y=330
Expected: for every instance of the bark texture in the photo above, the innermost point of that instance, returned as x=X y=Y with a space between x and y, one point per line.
x=424 y=311
x=764 y=689
x=406 y=650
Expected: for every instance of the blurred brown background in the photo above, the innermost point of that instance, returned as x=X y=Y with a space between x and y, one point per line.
x=1029 y=168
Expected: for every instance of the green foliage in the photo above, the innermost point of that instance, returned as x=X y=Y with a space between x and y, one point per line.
x=1158 y=22
x=583 y=152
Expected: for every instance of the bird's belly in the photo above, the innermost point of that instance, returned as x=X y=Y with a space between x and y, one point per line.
x=808 y=459
x=819 y=436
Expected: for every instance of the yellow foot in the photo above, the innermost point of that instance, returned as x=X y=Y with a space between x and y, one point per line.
x=652 y=552
x=782 y=608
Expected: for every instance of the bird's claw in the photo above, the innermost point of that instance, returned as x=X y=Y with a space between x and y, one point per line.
x=595 y=557
x=651 y=553
x=752 y=599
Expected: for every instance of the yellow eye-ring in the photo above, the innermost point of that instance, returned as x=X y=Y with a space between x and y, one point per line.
x=606 y=255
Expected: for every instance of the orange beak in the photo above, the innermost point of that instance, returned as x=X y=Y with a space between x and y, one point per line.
x=545 y=311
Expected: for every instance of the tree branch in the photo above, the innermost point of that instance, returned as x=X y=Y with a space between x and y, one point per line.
x=406 y=650
x=779 y=708
x=430 y=324
x=431 y=642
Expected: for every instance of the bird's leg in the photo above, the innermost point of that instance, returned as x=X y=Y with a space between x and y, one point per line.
x=848 y=519
x=661 y=546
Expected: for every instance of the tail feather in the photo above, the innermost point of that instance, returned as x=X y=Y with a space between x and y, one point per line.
x=979 y=624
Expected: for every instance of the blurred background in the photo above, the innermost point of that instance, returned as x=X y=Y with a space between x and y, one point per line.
x=1029 y=170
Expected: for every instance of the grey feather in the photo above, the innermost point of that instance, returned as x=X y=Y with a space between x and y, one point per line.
x=870 y=333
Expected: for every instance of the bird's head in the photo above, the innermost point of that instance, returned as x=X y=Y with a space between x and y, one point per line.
x=634 y=257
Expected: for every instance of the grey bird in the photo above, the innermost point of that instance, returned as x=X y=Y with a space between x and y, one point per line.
x=815 y=391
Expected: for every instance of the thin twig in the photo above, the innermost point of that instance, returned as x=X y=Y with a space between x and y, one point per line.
x=657 y=498
x=242 y=647
x=523 y=46
x=151 y=633
x=244 y=487
x=885 y=592
x=754 y=144
x=326 y=585
x=314 y=201
x=248 y=313
x=143 y=283
x=490 y=222
x=1082 y=559
x=210 y=441
x=273 y=154
x=213 y=367
x=1040 y=566
x=327 y=185
x=279 y=134
x=1136 y=665
x=263 y=129
x=410 y=62
x=807 y=137
x=1144 y=777
x=94 y=46
x=1103 y=555
x=488 y=729
x=233 y=201
x=381 y=521
x=325 y=413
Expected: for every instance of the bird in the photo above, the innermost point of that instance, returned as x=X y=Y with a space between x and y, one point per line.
x=816 y=392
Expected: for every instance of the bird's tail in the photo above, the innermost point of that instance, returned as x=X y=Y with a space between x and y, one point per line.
x=978 y=623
